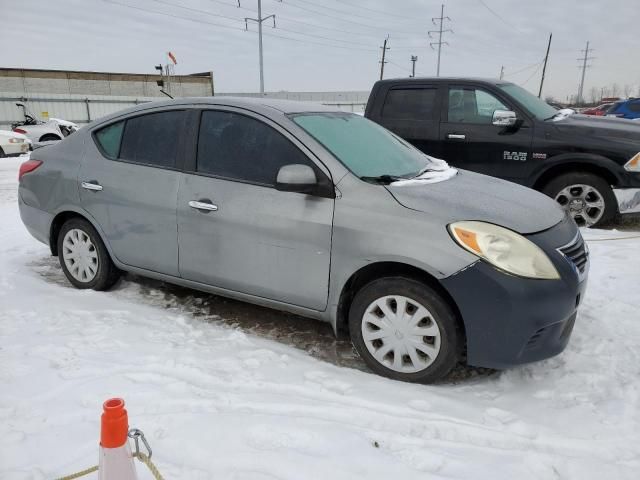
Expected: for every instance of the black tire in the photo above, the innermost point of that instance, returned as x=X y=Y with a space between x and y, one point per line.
x=1 y=153
x=451 y=338
x=555 y=186
x=107 y=273
x=49 y=137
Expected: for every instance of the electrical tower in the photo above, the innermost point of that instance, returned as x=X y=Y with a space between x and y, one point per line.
x=584 y=67
x=440 y=31
x=414 y=59
x=259 y=21
x=384 y=51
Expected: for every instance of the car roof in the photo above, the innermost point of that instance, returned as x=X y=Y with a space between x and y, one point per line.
x=266 y=106
x=492 y=81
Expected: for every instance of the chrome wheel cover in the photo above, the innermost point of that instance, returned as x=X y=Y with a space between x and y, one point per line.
x=80 y=255
x=401 y=334
x=583 y=202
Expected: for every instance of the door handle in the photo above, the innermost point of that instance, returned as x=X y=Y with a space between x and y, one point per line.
x=457 y=136
x=92 y=185
x=198 y=205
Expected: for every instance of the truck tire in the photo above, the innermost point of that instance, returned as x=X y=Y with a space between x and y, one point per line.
x=588 y=198
x=405 y=330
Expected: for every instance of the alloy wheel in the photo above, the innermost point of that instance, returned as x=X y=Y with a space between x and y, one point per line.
x=583 y=202
x=80 y=255
x=401 y=334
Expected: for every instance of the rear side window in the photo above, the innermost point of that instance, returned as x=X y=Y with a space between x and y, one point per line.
x=409 y=104
x=152 y=139
x=238 y=147
x=634 y=106
x=109 y=139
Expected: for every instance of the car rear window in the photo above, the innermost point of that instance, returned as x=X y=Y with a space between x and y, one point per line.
x=152 y=139
x=109 y=139
x=409 y=103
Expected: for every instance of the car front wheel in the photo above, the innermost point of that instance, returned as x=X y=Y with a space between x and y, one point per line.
x=588 y=198
x=84 y=258
x=405 y=330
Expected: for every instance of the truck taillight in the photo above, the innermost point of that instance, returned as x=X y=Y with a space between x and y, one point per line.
x=28 y=166
x=19 y=130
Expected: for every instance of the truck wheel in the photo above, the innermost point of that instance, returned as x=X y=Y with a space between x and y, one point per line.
x=588 y=198
x=84 y=258
x=404 y=330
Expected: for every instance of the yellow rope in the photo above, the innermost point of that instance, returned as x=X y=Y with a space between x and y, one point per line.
x=82 y=473
x=140 y=456
x=147 y=461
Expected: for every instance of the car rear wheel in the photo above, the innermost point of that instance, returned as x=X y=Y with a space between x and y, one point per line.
x=49 y=138
x=84 y=258
x=405 y=330
x=588 y=198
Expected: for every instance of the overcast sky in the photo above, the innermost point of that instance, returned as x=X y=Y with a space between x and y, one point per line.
x=327 y=45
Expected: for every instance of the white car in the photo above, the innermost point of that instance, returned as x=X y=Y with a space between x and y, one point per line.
x=13 y=144
x=51 y=130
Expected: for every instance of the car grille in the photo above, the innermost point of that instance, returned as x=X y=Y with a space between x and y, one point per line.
x=577 y=253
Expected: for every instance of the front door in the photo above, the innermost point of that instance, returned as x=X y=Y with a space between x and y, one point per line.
x=470 y=140
x=244 y=235
x=129 y=184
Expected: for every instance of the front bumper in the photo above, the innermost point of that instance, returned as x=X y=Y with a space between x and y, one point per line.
x=511 y=320
x=628 y=199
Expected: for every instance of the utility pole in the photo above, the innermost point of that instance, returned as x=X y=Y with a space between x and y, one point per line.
x=501 y=72
x=384 y=51
x=440 y=31
x=544 y=69
x=414 y=59
x=259 y=21
x=584 y=70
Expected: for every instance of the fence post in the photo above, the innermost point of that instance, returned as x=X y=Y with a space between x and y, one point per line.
x=86 y=102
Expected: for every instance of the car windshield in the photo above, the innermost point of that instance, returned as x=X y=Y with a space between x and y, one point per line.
x=364 y=147
x=538 y=108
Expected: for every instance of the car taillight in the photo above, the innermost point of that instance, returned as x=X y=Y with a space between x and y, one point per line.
x=28 y=166
x=19 y=130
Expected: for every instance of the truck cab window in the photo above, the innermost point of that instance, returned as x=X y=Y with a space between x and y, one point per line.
x=472 y=105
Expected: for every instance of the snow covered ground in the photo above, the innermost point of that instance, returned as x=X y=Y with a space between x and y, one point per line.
x=218 y=402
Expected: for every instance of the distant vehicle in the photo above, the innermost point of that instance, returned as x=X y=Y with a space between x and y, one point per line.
x=629 y=109
x=39 y=131
x=13 y=144
x=599 y=111
x=591 y=166
x=319 y=212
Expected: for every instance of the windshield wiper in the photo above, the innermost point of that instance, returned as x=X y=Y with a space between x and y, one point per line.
x=382 y=179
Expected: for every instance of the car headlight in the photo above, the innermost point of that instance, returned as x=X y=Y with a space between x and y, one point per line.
x=504 y=249
x=633 y=165
x=16 y=140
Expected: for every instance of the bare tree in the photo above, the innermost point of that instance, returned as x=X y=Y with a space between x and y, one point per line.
x=615 y=90
x=594 y=94
x=606 y=92
x=626 y=90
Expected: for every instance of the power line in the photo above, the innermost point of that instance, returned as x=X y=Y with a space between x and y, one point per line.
x=440 y=31
x=238 y=29
x=345 y=12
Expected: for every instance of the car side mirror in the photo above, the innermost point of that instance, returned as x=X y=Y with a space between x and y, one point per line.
x=504 y=118
x=302 y=179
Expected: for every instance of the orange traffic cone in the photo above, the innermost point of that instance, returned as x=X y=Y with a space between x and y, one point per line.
x=116 y=461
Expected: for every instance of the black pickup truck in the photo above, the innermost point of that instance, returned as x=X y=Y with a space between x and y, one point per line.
x=590 y=165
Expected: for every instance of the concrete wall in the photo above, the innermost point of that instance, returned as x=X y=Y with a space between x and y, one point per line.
x=30 y=82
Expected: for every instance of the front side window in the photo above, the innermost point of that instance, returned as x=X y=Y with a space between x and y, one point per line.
x=152 y=139
x=238 y=147
x=364 y=147
x=472 y=105
x=410 y=104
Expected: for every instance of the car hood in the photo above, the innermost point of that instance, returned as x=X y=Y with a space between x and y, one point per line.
x=606 y=127
x=471 y=196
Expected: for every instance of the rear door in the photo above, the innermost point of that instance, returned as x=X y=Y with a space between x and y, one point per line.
x=252 y=239
x=412 y=111
x=471 y=141
x=129 y=184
